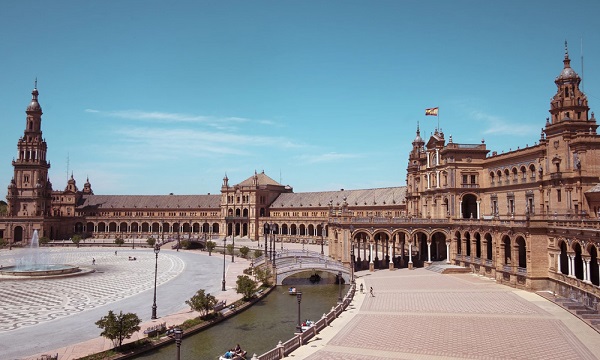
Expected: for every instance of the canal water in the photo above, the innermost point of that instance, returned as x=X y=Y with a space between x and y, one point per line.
x=259 y=328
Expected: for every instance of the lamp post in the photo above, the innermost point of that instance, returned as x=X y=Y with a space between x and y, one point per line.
x=178 y=337
x=340 y=286
x=156 y=251
x=224 y=248
x=299 y=298
x=233 y=242
x=351 y=254
x=322 y=237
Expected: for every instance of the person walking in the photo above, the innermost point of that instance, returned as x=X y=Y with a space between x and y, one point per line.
x=93 y=261
x=361 y=288
x=371 y=291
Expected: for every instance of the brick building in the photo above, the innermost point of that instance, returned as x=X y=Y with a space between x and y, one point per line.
x=528 y=217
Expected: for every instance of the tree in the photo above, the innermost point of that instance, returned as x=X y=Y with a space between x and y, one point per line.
x=230 y=249
x=43 y=240
x=246 y=287
x=3 y=207
x=118 y=327
x=119 y=241
x=151 y=241
x=202 y=302
x=244 y=250
x=2 y=242
x=257 y=253
x=76 y=239
x=263 y=274
x=210 y=246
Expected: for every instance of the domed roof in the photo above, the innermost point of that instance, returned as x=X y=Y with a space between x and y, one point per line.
x=34 y=105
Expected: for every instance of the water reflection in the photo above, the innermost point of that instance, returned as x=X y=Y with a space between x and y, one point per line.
x=259 y=328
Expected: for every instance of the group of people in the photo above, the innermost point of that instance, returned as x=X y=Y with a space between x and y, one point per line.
x=234 y=353
x=370 y=290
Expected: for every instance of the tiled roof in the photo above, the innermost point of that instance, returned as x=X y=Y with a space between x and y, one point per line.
x=392 y=196
x=151 y=201
x=263 y=179
x=596 y=188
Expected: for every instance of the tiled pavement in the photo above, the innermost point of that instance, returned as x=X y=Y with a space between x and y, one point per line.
x=414 y=315
x=425 y=315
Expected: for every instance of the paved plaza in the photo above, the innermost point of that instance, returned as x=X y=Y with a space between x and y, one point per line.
x=422 y=314
x=416 y=314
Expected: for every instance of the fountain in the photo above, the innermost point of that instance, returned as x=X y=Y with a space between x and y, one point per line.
x=36 y=263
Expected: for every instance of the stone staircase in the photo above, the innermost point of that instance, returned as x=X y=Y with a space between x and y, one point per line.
x=587 y=315
x=444 y=268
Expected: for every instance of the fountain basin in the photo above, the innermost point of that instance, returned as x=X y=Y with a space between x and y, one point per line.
x=40 y=270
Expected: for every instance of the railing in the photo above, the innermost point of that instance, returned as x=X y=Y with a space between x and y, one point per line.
x=284 y=349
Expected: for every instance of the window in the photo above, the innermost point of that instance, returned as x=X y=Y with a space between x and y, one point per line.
x=558 y=195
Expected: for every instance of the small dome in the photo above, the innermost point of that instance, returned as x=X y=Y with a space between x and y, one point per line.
x=567 y=73
x=34 y=105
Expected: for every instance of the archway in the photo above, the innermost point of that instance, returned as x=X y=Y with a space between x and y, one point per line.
x=563 y=259
x=594 y=278
x=469 y=207
x=578 y=261
x=18 y=234
x=522 y=247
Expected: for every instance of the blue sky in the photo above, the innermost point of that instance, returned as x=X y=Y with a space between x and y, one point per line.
x=154 y=97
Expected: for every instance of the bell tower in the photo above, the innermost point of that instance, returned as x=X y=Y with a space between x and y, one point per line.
x=28 y=192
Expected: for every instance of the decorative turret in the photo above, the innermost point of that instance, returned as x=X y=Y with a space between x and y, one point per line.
x=87 y=187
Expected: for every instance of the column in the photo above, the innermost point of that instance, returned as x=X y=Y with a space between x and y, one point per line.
x=429 y=252
x=586 y=270
x=410 y=262
x=478 y=205
x=371 y=263
x=447 y=252
x=391 y=264
x=558 y=269
x=570 y=265
x=437 y=174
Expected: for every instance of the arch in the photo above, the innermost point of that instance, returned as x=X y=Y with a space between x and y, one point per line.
x=594 y=271
x=123 y=227
x=468 y=243
x=489 y=246
x=89 y=227
x=145 y=227
x=578 y=261
x=477 y=245
x=135 y=228
x=17 y=234
x=112 y=226
x=101 y=227
x=563 y=258
x=532 y=171
x=458 y=237
x=522 y=251
x=245 y=212
x=469 y=206
x=155 y=227
x=284 y=229
x=78 y=227
x=302 y=230
x=507 y=252
x=515 y=173
x=523 y=170
x=438 y=246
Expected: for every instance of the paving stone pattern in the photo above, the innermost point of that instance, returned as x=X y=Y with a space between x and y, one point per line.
x=30 y=302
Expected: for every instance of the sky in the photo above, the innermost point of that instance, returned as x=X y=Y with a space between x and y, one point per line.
x=158 y=97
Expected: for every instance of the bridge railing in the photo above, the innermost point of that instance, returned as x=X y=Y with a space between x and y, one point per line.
x=284 y=349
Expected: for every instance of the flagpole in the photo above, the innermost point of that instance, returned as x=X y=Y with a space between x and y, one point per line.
x=438 y=118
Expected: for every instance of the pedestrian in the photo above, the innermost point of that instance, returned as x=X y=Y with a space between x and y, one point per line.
x=371 y=291
x=93 y=261
x=361 y=288
x=115 y=252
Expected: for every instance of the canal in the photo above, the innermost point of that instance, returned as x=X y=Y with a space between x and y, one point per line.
x=259 y=328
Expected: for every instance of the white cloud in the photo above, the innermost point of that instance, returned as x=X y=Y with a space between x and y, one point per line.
x=497 y=125
x=327 y=157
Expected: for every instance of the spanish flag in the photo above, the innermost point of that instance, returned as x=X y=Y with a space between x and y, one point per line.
x=431 y=111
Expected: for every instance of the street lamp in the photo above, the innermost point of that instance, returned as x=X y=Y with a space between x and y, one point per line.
x=224 y=248
x=178 y=337
x=340 y=286
x=156 y=251
x=322 y=237
x=299 y=298
x=351 y=254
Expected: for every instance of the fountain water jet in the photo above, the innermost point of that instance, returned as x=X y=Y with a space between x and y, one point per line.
x=36 y=263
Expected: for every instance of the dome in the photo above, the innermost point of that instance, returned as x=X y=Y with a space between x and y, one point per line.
x=567 y=73
x=34 y=105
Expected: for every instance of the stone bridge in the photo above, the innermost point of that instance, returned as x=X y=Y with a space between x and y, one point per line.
x=290 y=262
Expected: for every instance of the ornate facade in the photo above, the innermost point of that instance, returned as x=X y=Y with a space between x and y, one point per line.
x=528 y=217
